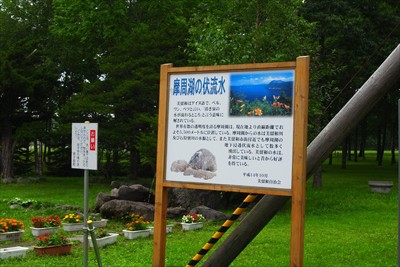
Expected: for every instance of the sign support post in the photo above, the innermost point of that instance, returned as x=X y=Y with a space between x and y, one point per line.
x=85 y=216
x=84 y=156
x=299 y=161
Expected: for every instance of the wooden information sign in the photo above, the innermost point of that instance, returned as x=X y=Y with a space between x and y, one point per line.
x=237 y=128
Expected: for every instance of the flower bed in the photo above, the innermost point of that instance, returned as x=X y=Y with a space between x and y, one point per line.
x=193 y=218
x=50 y=221
x=11 y=229
x=136 y=222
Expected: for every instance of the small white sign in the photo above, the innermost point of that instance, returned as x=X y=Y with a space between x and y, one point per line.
x=84 y=146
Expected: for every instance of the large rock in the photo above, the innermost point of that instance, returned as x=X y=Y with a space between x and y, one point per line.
x=209 y=214
x=136 y=192
x=118 y=208
x=176 y=212
x=101 y=199
x=189 y=198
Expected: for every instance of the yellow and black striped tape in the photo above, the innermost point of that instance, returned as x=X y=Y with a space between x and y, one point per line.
x=224 y=227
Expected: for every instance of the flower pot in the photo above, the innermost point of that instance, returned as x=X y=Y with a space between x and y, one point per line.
x=72 y=227
x=44 y=230
x=191 y=226
x=12 y=252
x=11 y=236
x=167 y=230
x=136 y=234
x=53 y=250
x=102 y=241
x=100 y=224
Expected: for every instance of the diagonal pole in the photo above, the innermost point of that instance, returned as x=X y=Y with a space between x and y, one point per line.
x=380 y=82
x=222 y=230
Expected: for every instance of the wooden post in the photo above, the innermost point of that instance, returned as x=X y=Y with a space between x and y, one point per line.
x=161 y=197
x=299 y=161
x=383 y=79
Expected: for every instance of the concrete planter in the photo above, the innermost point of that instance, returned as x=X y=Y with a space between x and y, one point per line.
x=43 y=231
x=100 y=224
x=53 y=250
x=12 y=252
x=191 y=226
x=102 y=241
x=136 y=234
x=72 y=227
x=380 y=186
x=11 y=236
x=168 y=229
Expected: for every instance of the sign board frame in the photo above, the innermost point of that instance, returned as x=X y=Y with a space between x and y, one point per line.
x=84 y=146
x=297 y=190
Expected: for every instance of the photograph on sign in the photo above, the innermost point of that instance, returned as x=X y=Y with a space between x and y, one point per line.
x=231 y=128
x=84 y=146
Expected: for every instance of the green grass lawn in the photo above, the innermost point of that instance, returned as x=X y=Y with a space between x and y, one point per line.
x=346 y=224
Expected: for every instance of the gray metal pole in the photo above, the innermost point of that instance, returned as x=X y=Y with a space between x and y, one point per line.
x=398 y=183
x=94 y=242
x=85 y=217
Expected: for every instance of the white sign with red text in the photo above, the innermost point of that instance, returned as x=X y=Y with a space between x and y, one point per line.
x=84 y=146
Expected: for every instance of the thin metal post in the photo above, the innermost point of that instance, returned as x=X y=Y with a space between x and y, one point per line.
x=85 y=217
x=94 y=242
x=398 y=183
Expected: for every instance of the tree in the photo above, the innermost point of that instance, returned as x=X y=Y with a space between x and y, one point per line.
x=231 y=32
x=126 y=41
x=27 y=77
x=351 y=41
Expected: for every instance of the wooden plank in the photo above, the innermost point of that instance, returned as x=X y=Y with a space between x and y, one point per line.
x=299 y=160
x=161 y=194
x=237 y=67
x=253 y=190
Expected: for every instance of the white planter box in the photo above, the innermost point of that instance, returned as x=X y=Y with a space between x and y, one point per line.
x=101 y=242
x=191 y=226
x=100 y=224
x=380 y=186
x=43 y=231
x=12 y=252
x=136 y=234
x=72 y=227
x=168 y=229
x=11 y=236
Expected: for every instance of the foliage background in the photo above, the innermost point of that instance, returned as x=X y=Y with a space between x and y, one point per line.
x=73 y=61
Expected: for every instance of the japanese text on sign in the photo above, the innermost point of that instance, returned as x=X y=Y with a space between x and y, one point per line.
x=240 y=132
x=84 y=148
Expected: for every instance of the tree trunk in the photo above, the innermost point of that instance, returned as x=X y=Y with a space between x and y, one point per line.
x=378 y=143
x=382 y=152
x=383 y=79
x=344 y=154
x=317 y=181
x=7 y=152
x=38 y=157
x=134 y=164
x=393 y=144
x=355 y=145
x=363 y=139
x=348 y=141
